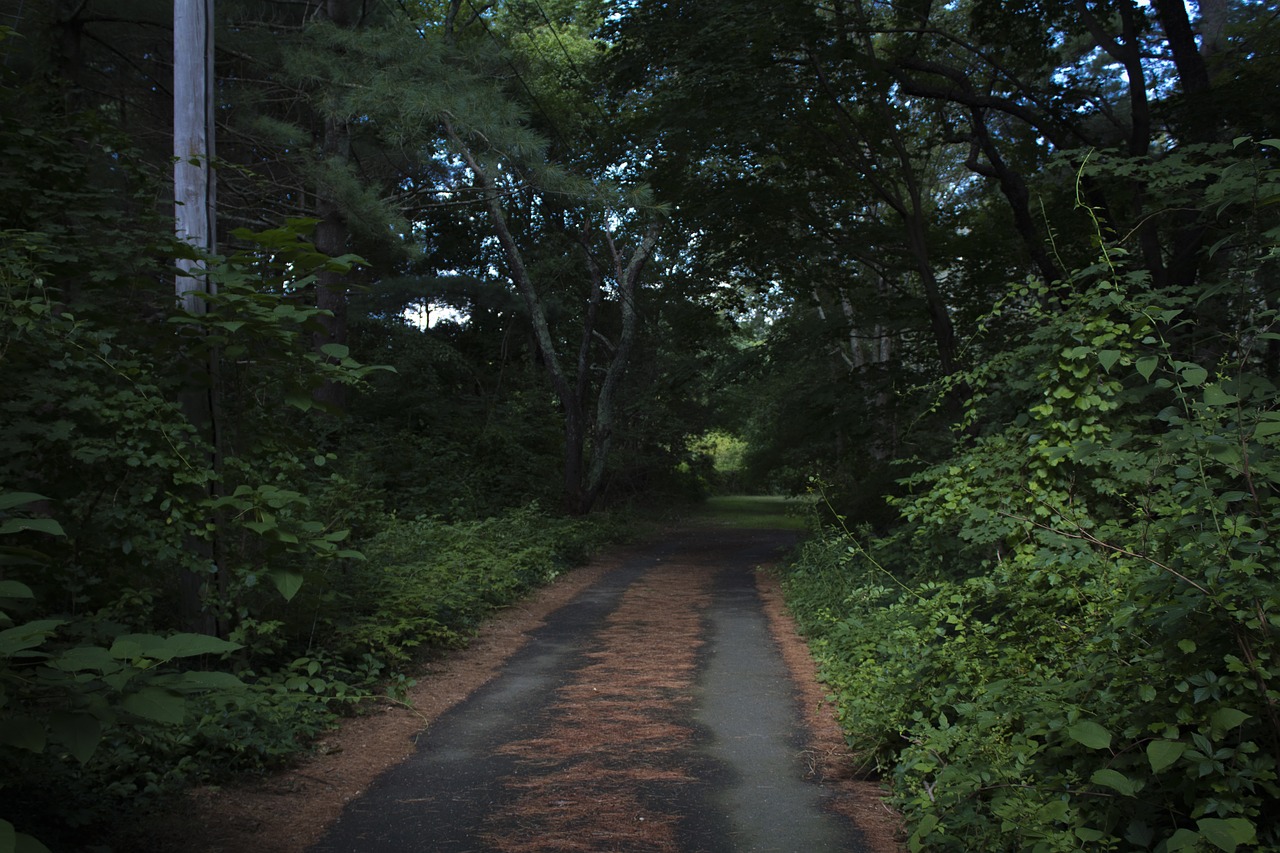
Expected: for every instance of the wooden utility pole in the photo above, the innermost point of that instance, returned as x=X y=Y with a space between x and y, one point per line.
x=193 y=183
x=193 y=193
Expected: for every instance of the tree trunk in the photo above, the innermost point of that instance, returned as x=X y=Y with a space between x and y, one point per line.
x=331 y=296
x=333 y=232
x=582 y=481
x=575 y=440
x=628 y=279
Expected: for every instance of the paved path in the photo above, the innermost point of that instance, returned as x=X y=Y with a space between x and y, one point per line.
x=651 y=713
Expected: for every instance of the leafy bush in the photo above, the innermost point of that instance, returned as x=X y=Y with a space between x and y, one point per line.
x=428 y=584
x=1068 y=642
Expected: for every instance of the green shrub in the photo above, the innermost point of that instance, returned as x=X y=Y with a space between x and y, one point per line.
x=1068 y=640
x=427 y=584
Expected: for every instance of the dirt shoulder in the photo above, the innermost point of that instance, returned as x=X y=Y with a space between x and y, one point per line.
x=291 y=810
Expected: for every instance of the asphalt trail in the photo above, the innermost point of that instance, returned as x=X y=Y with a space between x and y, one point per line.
x=651 y=713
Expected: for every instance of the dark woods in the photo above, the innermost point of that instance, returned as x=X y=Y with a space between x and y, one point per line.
x=996 y=281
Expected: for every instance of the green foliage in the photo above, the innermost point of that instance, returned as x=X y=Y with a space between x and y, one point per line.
x=109 y=493
x=127 y=513
x=72 y=691
x=718 y=461
x=426 y=436
x=428 y=584
x=1069 y=641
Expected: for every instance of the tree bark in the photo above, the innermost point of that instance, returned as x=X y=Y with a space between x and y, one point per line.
x=582 y=480
x=628 y=279
x=1192 y=71
x=906 y=201
x=333 y=233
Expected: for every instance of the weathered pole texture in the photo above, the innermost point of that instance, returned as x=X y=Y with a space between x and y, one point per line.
x=193 y=183
x=193 y=193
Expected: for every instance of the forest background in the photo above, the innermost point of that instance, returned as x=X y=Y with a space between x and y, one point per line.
x=996 y=280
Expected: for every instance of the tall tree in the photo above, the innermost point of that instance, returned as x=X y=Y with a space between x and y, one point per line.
x=588 y=405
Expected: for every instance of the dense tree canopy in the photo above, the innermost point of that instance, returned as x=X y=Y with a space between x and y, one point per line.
x=997 y=279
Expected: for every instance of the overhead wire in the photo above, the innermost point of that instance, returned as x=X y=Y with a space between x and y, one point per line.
x=569 y=57
x=516 y=71
x=573 y=65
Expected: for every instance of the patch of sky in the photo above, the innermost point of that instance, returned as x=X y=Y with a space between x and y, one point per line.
x=427 y=315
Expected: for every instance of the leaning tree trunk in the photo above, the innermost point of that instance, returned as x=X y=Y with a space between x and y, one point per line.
x=582 y=481
x=628 y=280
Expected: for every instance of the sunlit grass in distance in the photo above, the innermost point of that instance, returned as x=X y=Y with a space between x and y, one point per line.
x=755 y=511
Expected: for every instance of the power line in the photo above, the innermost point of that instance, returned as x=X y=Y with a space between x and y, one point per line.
x=503 y=50
x=573 y=65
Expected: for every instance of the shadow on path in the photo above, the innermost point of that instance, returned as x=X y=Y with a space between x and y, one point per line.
x=651 y=713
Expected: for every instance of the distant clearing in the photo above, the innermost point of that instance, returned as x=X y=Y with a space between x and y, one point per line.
x=755 y=512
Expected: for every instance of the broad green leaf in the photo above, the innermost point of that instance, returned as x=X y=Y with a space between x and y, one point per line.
x=23 y=733
x=336 y=350
x=1108 y=358
x=13 y=589
x=1181 y=840
x=1228 y=718
x=1265 y=428
x=927 y=824
x=40 y=525
x=79 y=733
x=159 y=648
x=1055 y=810
x=1139 y=834
x=1147 y=366
x=190 y=681
x=27 y=636
x=1194 y=375
x=1215 y=396
x=189 y=645
x=9 y=500
x=1226 y=834
x=1085 y=833
x=127 y=647
x=152 y=703
x=1113 y=779
x=1224 y=451
x=86 y=657
x=287 y=581
x=299 y=400
x=1090 y=734
x=1162 y=753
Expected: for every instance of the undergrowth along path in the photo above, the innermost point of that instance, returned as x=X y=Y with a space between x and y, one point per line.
x=655 y=711
x=705 y=570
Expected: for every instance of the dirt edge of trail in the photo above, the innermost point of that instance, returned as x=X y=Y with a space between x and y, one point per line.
x=859 y=798
x=288 y=811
